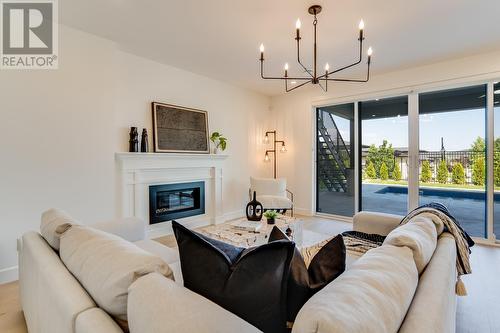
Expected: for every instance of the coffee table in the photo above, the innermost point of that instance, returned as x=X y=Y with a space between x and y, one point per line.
x=227 y=233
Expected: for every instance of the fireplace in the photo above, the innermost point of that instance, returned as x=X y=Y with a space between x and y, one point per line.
x=174 y=201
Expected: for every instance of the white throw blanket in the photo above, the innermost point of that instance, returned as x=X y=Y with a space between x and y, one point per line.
x=442 y=221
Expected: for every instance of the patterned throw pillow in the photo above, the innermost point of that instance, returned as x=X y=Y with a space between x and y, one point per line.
x=312 y=268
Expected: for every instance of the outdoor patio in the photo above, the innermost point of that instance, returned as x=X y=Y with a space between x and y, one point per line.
x=468 y=208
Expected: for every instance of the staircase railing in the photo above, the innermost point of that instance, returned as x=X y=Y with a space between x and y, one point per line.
x=333 y=155
x=340 y=143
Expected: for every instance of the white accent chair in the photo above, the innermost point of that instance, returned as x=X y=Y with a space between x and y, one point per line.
x=272 y=194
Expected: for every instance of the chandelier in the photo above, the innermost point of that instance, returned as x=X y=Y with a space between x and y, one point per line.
x=312 y=74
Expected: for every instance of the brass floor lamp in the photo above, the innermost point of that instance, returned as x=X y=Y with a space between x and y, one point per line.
x=273 y=151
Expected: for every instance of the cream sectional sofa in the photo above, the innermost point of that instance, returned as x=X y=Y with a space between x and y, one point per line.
x=393 y=297
x=53 y=300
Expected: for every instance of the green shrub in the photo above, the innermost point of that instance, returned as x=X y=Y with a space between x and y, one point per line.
x=442 y=173
x=384 y=172
x=396 y=173
x=458 y=174
x=497 y=175
x=370 y=171
x=426 y=173
x=478 y=171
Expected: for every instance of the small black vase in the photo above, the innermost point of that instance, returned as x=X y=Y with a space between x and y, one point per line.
x=254 y=209
x=133 y=140
x=144 y=141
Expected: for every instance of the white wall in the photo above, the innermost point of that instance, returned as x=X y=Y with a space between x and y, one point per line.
x=61 y=128
x=292 y=113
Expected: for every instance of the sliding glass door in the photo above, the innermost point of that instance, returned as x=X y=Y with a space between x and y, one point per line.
x=452 y=156
x=384 y=155
x=335 y=160
x=496 y=161
x=432 y=146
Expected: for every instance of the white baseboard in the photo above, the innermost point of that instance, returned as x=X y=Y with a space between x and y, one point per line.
x=302 y=211
x=9 y=274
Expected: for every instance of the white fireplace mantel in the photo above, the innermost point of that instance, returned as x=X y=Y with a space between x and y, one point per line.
x=137 y=171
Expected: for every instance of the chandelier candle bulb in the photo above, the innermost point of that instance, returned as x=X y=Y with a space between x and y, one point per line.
x=361 y=24
x=261 y=52
x=361 y=28
x=297 y=26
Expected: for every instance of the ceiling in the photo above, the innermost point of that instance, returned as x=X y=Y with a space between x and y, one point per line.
x=221 y=38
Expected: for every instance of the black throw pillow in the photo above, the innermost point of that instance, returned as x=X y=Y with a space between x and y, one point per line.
x=251 y=283
x=325 y=266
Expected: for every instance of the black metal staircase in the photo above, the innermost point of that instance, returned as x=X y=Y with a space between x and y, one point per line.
x=333 y=156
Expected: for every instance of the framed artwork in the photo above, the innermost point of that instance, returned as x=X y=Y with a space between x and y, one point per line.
x=177 y=129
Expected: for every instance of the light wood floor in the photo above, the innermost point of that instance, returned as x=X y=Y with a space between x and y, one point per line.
x=11 y=315
x=477 y=312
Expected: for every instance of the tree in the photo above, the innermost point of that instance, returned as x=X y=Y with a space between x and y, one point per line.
x=478 y=148
x=442 y=173
x=479 y=145
x=370 y=171
x=497 y=175
x=426 y=173
x=373 y=158
x=382 y=154
x=458 y=174
x=386 y=153
x=478 y=171
x=384 y=172
x=396 y=173
x=496 y=160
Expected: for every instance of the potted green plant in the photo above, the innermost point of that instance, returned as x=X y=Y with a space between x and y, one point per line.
x=219 y=142
x=270 y=215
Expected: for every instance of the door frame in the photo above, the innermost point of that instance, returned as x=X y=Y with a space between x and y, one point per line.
x=413 y=140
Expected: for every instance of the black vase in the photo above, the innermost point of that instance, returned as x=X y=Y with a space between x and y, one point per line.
x=254 y=209
x=133 y=140
x=144 y=141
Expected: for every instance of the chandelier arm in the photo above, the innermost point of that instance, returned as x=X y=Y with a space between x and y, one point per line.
x=279 y=77
x=300 y=85
x=351 y=80
x=298 y=58
x=348 y=66
x=324 y=89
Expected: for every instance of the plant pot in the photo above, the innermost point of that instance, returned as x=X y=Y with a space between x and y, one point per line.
x=216 y=150
x=270 y=220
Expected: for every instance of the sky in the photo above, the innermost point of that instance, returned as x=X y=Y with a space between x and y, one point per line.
x=459 y=130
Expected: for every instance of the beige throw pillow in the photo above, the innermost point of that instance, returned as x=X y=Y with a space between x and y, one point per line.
x=420 y=235
x=106 y=265
x=53 y=224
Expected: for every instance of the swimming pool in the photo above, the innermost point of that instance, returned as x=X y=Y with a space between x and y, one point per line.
x=438 y=192
x=468 y=206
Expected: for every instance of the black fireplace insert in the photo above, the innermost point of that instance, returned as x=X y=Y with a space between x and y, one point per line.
x=174 y=201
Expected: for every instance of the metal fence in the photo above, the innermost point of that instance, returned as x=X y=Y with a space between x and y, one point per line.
x=466 y=158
